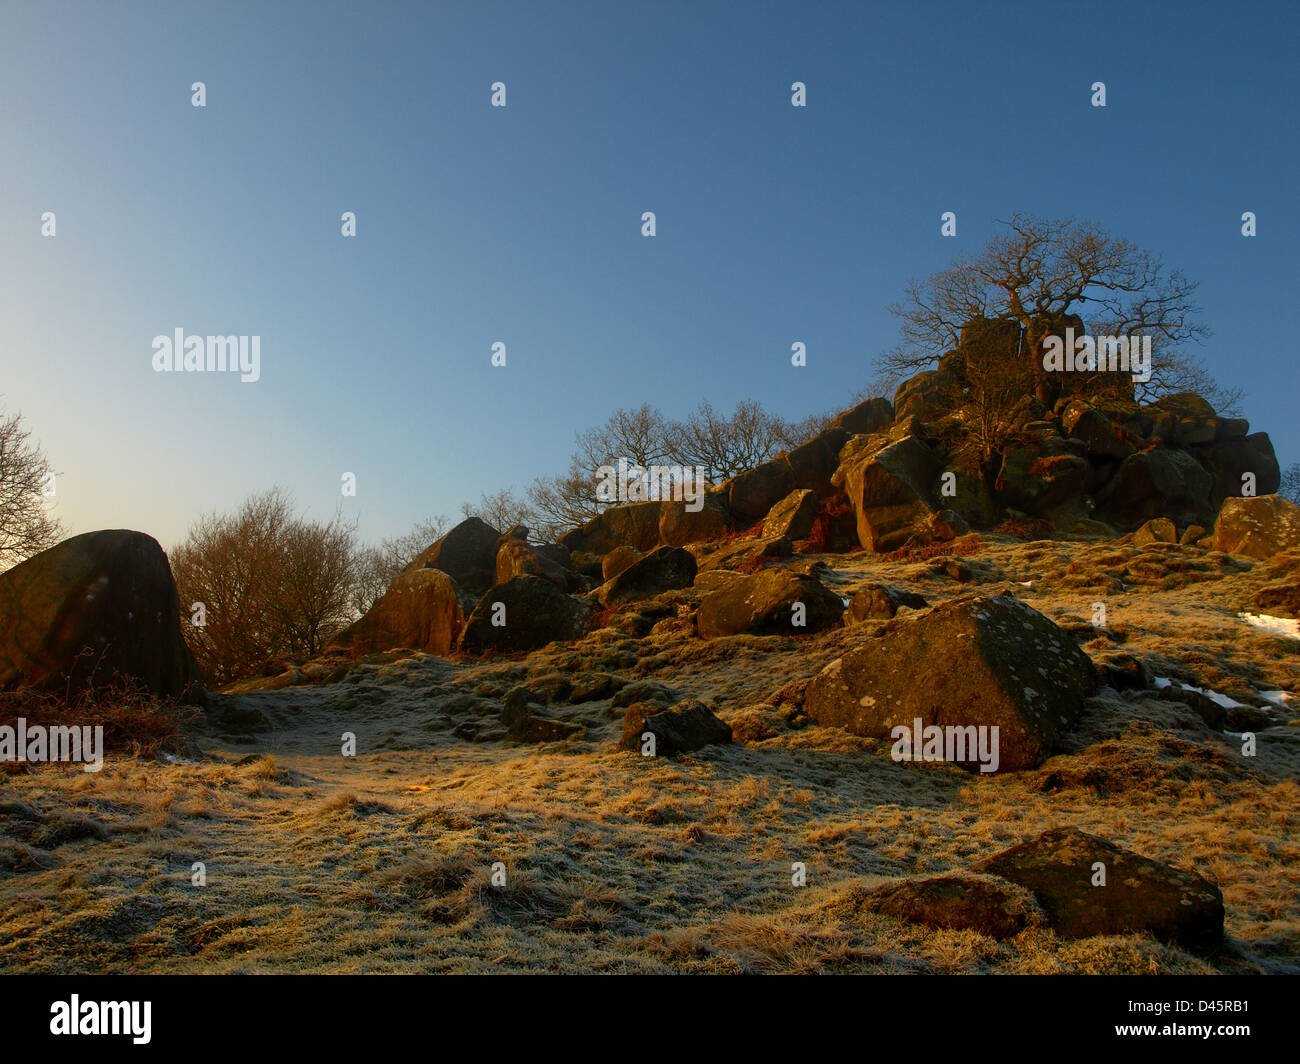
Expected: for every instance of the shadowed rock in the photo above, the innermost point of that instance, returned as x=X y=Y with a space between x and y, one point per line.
x=1139 y=896
x=959 y=901
x=467 y=554
x=95 y=608
x=524 y=613
x=688 y=726
x=665 y=569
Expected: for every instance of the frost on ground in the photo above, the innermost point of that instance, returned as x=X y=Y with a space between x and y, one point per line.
x=382 y=862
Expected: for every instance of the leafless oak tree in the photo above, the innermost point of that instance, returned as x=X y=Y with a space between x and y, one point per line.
x=26 y=526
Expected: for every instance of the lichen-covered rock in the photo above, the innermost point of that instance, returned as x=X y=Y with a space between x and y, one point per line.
x=792 y=517
x=981 y=660
x=1257 y=527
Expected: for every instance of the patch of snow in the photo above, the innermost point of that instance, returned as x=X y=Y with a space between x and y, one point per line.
x=1283 y=626
x=1278 y=698
x=1162 y=682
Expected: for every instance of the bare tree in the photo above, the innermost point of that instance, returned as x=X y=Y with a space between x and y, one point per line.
x=26 y=526
x=315 y=577
x=566 y=501
x=727 y=445
x=271 y=586
x=1040 y=270
x=1290 y=487
x=639 y=437
x=642 y=437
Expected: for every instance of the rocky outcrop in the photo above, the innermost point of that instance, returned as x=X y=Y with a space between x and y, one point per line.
x=91 y=611
x=892 y=487
x=634 y=525
x=423 y=609
x=701 y=521
x=977 y=661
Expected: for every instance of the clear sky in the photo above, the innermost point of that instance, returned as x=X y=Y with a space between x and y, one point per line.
x=523 y=224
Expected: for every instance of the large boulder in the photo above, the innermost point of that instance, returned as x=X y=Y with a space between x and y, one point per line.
x=1084 y=422
x=634 y=525
x=959 y=901
x=750 y=495
x=1158 y=483
x=468 y=554
x=1138 y=896
x=1229 y=460
x=524 y=613
x=812 y=464
x=766 y=603
x=665 y=569
x=1257 y=527
x=617 y=560
x=1034 y=481
x=682 y=522
x=792 y=517
x=870 y=415
x=685 y=727
x=423 y=609
x=976 y=661
x=516 y=557
x=892 y=487
x=94 y=609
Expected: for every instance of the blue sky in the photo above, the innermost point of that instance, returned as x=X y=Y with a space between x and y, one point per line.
x=522 y=225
